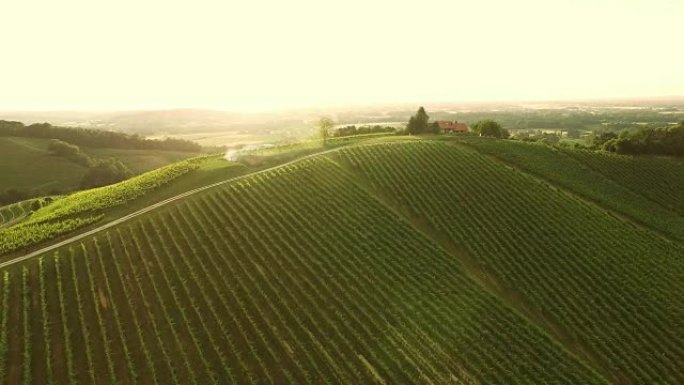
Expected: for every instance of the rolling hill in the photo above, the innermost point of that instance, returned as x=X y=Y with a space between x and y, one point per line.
x=395 y=262
x=28 y=165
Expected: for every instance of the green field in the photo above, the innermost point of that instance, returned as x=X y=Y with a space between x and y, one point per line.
x=645 y=190
x=660 y=179
x=27 y=164
x=139 y=161
x=387 y=262
x=16 y=212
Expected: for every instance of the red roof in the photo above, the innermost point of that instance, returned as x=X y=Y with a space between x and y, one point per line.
x=452 y=126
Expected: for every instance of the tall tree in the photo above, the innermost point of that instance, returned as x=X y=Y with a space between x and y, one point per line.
x=491 y=128
x=418 y=123
x=324 y=127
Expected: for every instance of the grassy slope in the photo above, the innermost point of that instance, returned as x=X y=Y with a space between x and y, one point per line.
x=297 y=276
x=26 y=164
x=140 y=161
x=562 y=168
x=612 y=293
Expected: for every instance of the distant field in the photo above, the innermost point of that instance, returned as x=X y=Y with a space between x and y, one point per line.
x=140 y=161
x=222 y=138
x=26 y=164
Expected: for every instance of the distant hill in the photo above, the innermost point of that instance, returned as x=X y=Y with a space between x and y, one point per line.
x=410 y=261
x=28 y=165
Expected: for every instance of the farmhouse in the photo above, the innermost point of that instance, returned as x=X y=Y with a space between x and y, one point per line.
x=450 y=127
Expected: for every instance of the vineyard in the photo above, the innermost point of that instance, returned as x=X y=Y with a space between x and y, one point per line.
x=613 y=293
x=406 y=262
x=83 y=208
x=657 y=178
x=12 y=214
x=574 y=170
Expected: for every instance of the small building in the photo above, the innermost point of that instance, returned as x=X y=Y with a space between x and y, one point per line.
x=452 y=127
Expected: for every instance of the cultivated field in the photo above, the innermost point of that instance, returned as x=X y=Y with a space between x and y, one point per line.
x=27 y=164
x=647 y=190
x=397 y=262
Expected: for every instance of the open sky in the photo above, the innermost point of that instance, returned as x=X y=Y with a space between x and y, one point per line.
x=256 y=54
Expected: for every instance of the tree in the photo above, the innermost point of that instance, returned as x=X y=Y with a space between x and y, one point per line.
x=106 y=172
x=490 y=128
x=418 y=123
x=324 y=127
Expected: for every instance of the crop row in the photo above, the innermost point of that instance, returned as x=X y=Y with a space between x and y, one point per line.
x=612 y=289
x=116 y=194
x=11 y=214
x=294 y=276
x=26 y=234
x=657 y=178
x=62 y=216
x=561 y=168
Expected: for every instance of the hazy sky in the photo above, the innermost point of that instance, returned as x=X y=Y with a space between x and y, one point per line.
x=251 y=54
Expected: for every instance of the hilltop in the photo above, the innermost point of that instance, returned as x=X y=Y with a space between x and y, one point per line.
x=385 y=261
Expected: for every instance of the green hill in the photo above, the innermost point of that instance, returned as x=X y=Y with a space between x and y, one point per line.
x=28 y=165
x=421 y=262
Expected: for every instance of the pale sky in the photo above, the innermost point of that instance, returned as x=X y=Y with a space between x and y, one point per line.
x=251 y=54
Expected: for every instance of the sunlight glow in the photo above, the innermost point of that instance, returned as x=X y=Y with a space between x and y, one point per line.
x=254 y=55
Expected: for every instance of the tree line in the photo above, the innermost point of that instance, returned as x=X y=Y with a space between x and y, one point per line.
x=95 y=138
x=360 y=130
x=648 y=140
x=101 y=172
x=420 y=124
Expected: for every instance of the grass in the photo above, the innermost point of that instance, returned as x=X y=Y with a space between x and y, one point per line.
x=140 y=161
x=27 y=164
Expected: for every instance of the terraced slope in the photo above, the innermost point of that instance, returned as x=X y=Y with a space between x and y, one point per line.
x=294 y=276
x=573 y=171
x=610 y=292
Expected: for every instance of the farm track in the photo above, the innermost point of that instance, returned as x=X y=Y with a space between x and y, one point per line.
x=157 y=205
